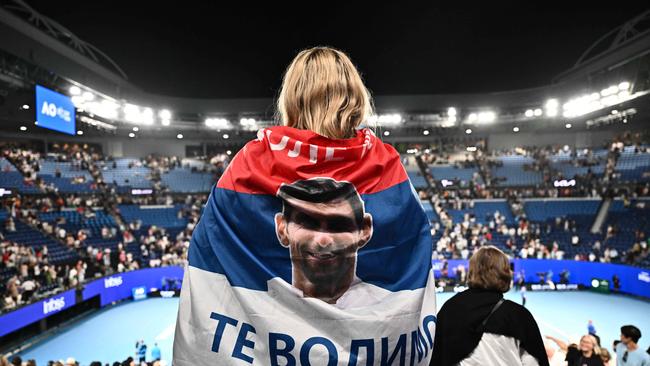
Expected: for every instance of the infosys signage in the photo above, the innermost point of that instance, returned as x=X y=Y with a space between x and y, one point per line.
x=110 y=289
x=120 y=286
x=34 y=312
x=53 y=305
x=54 y=111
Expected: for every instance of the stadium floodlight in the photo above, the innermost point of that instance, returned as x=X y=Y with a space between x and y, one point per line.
x=165 y=117
x=451 y=111
x=623 y=94
x=80 y=132
x=529 y=113
x=537 y=112
x=217 y=123
x=389 y=119
x=487 y=117
x=75 y=90
x=624 y=85
x=228 y=152
x=568 y=125
x=613 y=89
x=88 y=96
x=386 y=133
x=78 y=101
x=552 y=103
x=23 y=128
x=25 y=106
x=473 y=117
x=451 y=120
x=132 y=113
x=106 y=108
x=248 y=123
x=515 y=129
x=468 y=131
x=551 y=107
x=131 y=134
x=165 y=114
x=614 y=111
x=136 y=129
x=147 y=116
x=179 y=136
x=225 y=136
x=425 y=132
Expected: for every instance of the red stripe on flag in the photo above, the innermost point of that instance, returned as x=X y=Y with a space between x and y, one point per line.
x=285 y=155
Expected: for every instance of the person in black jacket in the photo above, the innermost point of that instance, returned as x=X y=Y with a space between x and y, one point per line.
x=479 y=327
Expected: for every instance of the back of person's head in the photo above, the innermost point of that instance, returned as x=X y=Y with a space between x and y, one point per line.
x=632 y=332
x=16 y=361
x=323 y=92
x=489 y=269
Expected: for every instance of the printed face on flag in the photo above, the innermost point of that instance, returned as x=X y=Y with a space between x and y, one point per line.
x=323 y=224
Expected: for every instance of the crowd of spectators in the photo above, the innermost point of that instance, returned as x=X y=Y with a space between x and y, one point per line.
x=29 y=271
x=524 y=239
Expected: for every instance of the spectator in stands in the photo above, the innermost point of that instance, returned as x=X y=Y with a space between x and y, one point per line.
x=478 y=326
x=586 y=353
x=628 y=352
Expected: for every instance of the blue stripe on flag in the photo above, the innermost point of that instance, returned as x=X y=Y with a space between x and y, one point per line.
x=236 y=237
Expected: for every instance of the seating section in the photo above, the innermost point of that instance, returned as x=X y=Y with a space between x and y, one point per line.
x=162 y=216
x=12 y=179
x=548 y=209
x=65 y=183
x=484 y=211
x=513 y=174
x=416 y=179
x=126 y=174
x=633 y=166
x=626 y=221
x=92 y=225
x=450 y=172
x=28 y=236
x=185 y=181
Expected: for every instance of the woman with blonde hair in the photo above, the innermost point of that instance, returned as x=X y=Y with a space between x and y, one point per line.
x=479 y=327
x=313 y=247
x=587 y=352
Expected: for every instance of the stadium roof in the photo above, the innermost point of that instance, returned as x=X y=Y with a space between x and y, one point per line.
x=208 y=50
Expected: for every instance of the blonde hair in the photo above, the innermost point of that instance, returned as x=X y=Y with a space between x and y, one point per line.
x=323 y=92
x=489 y=269
x=594 y=343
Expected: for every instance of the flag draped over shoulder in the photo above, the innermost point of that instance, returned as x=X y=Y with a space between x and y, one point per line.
x=310 y=251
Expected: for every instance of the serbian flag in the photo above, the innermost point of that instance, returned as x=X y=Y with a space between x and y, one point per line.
x=310 y=251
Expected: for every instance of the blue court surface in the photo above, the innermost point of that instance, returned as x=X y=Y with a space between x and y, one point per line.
x=110 y=334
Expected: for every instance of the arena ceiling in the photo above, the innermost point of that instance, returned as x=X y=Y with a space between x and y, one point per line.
x=200 y=49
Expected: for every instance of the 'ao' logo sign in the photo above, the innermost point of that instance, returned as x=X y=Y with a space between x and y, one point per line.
x=50 y=109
